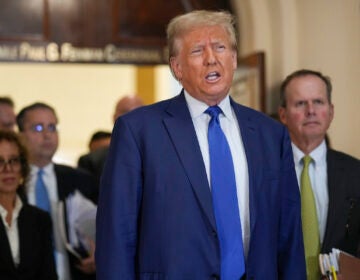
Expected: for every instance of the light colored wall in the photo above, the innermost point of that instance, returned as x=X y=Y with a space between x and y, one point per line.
x=330 y=42
x=84 y=97
x=317 y=34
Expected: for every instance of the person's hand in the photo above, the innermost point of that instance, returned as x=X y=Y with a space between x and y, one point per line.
x=87 y=265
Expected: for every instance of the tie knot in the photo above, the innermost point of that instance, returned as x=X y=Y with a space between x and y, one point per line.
x=307 y=159
x=213 y=111
x=40 y=172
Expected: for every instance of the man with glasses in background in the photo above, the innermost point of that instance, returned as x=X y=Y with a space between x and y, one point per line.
x=50 y=183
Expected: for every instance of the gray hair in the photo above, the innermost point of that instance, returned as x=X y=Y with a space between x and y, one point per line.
x=302 y=73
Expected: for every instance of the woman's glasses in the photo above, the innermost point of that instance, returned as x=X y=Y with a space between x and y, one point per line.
x=13 y=163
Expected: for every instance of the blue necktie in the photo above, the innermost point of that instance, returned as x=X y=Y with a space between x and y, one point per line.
x=41 y=194
x=226 y=209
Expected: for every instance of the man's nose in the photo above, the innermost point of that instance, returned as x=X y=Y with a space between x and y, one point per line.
x=310 y=108
x=210 y=56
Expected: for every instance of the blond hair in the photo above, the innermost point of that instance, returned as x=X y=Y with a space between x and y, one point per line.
x=185 y=22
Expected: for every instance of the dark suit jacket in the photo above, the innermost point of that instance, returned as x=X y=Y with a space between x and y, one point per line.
x=93 y=162
x=155 y=215
x=343 y=220
x=69 y=180
x=36 y=251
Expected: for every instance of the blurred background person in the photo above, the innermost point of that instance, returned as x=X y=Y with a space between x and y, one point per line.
x=38 y=128
x=307 y=111
x=94 y=161
x=127 y=104
x=99 y=140
x=7 y=114
x=26 y=250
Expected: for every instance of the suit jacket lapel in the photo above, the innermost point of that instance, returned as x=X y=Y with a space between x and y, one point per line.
x=63 y=191
x=182 y=133
x=63 y=182
x=249 y=136
x=25 y=226
x=335 y=193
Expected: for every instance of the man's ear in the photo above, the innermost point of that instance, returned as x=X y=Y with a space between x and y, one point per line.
x=282 y=115
x=175 y=68
x=332 y=111
x=234 y=57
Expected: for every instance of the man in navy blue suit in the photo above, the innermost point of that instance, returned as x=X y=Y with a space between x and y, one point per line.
x=156 y=215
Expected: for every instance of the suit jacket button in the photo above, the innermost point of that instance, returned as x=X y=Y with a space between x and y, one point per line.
x=215 y=277
x=214 y=233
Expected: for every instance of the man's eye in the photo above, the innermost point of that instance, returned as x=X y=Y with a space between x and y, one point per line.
x=220 y=47
x=196 y=51
x=318 y=102
x=300 y=103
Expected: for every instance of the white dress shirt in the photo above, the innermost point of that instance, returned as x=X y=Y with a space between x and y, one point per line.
x=231 y=129
x=49 y=177
x=318 y=178
x=12 y=230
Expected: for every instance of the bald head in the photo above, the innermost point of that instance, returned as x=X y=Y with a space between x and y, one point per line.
x=127 y=104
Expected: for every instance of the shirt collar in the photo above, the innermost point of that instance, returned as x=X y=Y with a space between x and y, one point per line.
x=197 y=107
x=16 y=211
x=47 y=168
x=318 y=154
x=18 y=206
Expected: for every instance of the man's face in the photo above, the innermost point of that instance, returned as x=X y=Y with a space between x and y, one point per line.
x=40 y=135
x=7 y=117
x=308 y=113
x=205 y=63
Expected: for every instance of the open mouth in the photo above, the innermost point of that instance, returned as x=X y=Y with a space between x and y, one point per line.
x=212 y=76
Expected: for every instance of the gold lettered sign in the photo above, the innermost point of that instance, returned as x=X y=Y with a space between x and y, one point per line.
x=67 y=53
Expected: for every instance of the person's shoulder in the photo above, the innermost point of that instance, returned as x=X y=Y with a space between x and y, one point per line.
x=257 y=117
x=61 y=169
x=84 y=157
x=344 y=157
x=99 y=153
x=35 y=212
x=94 y=155
x=70 y=179
x=65 y=168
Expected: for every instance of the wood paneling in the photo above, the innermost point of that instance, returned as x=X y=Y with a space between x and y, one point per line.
x=92 y=25
x=23 y=20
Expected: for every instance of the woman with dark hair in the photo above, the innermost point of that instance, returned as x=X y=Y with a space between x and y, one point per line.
x=26 y=251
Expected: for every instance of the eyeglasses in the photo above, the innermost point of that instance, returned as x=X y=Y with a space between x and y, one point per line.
x=13 y=163
x=41 y=128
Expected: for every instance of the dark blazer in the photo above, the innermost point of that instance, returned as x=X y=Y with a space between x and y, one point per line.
x=36 y=251
x=343 y=220
x=69 y=180
x=155 y=215
x=93 y=162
